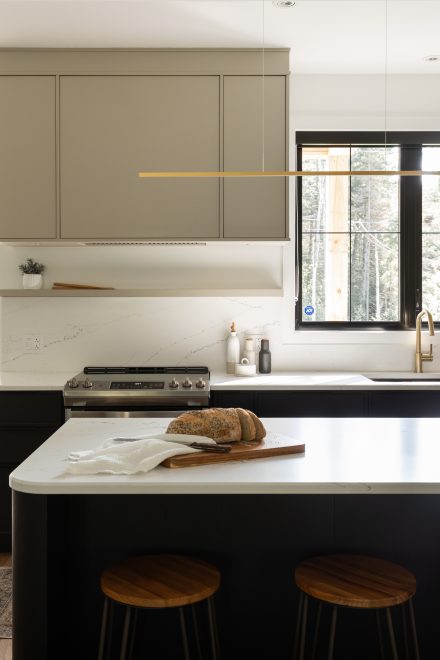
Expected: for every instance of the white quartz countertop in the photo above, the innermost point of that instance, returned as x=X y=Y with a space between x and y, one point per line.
x=343 y=456
x=280 y=380
x=33 y=380
x=315 y=380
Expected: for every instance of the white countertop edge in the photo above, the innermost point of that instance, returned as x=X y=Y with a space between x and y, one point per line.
x=322 y=380
x=34 y=488
x=304 y=387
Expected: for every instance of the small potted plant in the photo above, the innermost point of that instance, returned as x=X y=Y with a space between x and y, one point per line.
x=32 y=274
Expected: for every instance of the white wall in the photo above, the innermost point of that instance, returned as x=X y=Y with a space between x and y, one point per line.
x=77 y=331
x=366 y=102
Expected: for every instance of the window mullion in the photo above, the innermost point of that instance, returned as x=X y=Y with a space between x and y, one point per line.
x=298 y=241
x=411 y=235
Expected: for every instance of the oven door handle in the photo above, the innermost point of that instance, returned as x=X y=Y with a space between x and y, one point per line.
x=120 y=414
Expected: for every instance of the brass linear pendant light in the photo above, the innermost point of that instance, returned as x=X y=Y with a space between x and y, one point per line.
x=266 y=173
x=296 y=173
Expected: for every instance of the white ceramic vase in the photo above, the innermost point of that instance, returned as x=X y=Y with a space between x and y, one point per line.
x=32 y=281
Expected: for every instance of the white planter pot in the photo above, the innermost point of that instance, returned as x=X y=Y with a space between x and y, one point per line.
x=32 y=281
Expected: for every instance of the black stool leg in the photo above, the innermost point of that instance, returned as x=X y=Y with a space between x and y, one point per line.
x=213 y=630
x=196 y=631
x=125 y=634
x=413 y=629
x=298 y=624
x=391 y=634
x=303 y=627
x=380 y=636
x=102 y=638
x=331 y=644
x=315 y=636
x=110 y=628
x=405 y=631
x=184 y=635
x=133 y=632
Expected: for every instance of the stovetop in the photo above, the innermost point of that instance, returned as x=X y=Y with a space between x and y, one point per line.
x=186 y=386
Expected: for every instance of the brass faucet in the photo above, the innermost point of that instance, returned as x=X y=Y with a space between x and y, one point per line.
x=423 y=357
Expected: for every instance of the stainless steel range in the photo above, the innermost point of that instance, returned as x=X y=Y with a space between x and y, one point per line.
x=136 y=391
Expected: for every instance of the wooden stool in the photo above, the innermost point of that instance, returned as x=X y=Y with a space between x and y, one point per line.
x=159 y=582
x=359 y=582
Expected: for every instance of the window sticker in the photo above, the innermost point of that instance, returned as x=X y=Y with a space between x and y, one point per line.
x=309 y=310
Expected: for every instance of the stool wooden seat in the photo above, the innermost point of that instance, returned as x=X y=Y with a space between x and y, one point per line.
x=360 y=582
x=355 y=581
x=158 y=582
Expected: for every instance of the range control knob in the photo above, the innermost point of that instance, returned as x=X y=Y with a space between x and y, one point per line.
x=173 y=384
x=201 y=384
x=87 y=384
x=187 y=383
x=72 y=383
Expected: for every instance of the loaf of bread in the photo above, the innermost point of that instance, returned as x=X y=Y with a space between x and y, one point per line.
x=220 y=424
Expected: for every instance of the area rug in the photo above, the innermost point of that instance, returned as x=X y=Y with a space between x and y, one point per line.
x=5 y=603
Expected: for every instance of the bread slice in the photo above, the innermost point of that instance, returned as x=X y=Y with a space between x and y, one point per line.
x=260 y=431
x=248 y=431
x=220 y=424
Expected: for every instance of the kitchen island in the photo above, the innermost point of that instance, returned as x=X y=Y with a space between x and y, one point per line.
x=363 y=485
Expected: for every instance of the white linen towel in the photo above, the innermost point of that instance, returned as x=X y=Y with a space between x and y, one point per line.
x=131 y=455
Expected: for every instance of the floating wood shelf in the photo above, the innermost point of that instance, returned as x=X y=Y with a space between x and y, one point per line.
x=139 y=293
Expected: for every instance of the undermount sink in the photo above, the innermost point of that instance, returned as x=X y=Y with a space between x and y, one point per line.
x=402 y=377
x=412 y=379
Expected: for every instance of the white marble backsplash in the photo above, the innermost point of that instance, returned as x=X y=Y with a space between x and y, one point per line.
x=141 y=331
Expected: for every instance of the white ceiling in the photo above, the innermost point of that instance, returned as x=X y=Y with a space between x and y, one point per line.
x=326 y=36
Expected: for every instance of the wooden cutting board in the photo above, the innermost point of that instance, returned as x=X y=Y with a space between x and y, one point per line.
x=274 y=444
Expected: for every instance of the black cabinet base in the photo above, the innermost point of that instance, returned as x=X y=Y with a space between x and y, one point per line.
x=62 y=543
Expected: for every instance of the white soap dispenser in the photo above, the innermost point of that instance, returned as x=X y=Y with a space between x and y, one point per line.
x=232 y=350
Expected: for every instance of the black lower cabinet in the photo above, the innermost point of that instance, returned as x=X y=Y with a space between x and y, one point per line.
x=406 y=403
x=27 y=419
x=5 y=507
x=233 y=399
x=331 y=403
x=62 y=543
x=314 y=403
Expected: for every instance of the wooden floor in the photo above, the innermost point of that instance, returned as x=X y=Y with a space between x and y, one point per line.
x=5 y=644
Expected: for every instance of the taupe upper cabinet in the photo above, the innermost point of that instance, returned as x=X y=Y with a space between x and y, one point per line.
x=77 y=125
x=27 y=157
x=111 y=127
x=255 y=208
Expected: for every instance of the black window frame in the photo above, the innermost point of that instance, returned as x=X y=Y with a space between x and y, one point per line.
x=411 y=144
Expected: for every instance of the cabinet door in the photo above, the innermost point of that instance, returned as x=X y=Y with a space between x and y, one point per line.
x=31 y=409
x=27 y=157
x=404 y=404
x=233 y=399
x=255 y=207
x=311 y=404
x=112 y=127
x=5 y=508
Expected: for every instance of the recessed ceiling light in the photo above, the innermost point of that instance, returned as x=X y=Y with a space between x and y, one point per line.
x=283 y=3
x=431 y=58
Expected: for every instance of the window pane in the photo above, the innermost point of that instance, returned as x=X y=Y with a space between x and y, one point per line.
x=431 y=190
x=375 y=199
x=325 y=200
x=431 y=274
x=375 y=277
x=325 y=277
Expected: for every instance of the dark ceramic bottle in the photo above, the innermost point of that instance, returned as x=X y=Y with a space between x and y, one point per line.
x=264 y=358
